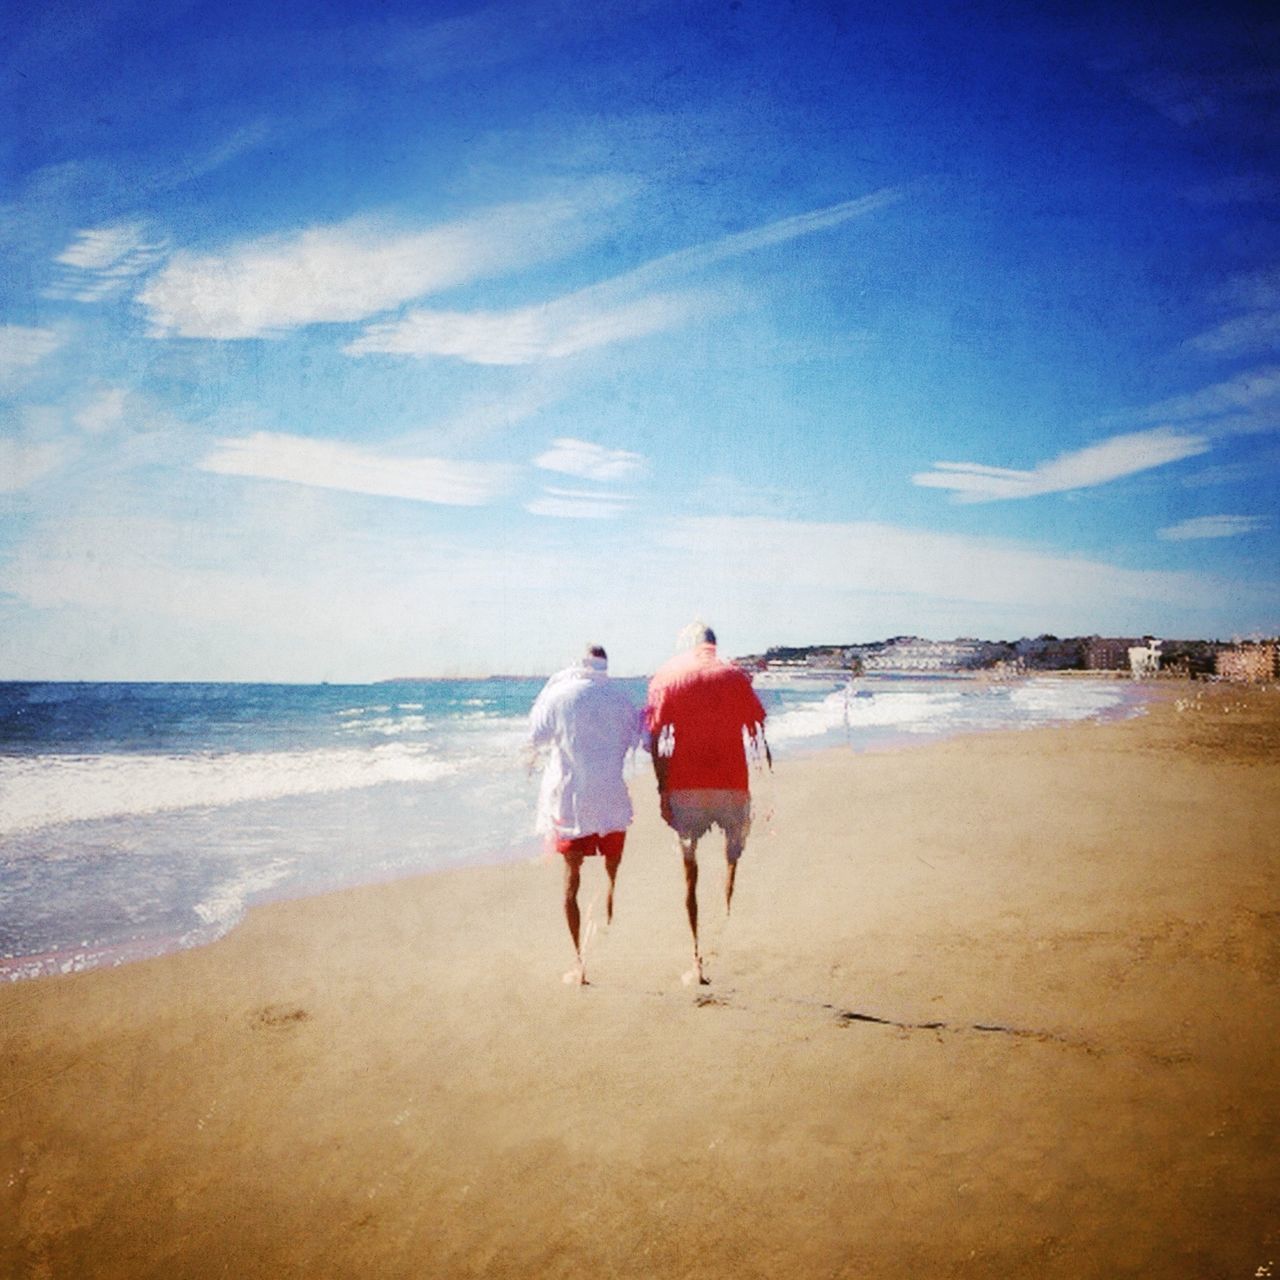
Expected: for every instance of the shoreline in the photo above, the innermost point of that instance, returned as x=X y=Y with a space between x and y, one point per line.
x=94 y=954
x=1004 y=1005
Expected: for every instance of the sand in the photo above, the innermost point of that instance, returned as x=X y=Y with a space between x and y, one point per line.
x=1003 y=1006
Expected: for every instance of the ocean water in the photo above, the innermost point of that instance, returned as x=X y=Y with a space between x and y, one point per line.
x=140 y=818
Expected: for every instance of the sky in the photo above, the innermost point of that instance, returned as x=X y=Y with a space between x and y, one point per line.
x=347 y=342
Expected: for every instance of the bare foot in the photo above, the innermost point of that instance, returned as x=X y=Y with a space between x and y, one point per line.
x=576 y=977
x=695 y=976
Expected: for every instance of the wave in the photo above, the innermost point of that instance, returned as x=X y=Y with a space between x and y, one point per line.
x=223 y=908
x=943 y=709
x=1059 y=700
x=46 y=791
x=389 y=726
x=845 y=709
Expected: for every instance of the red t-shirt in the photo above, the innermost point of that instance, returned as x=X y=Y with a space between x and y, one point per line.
x=698 y=707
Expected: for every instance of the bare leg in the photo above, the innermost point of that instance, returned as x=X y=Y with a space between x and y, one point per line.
x=576 y=976
x=611 y=868
x=730 y=872
x=689 y=850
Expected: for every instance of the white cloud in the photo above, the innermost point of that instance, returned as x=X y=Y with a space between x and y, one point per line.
x=1241 y=335
x=700 y=257
x=355 y=269
x=242 y=590
x=22 y=464
x=868 y=559
x=487 y=36
x=100 y=261
x=600 y=314
x=22 y=347
x=102 y=247
x=579 y=504
x=1250 y=390
x=1097 y=464
x=103 y=412
x=590 y=461
x=1211 y=527
x=1254 y=290
x=332 y=465
x=578 y=322
x=1190 y=96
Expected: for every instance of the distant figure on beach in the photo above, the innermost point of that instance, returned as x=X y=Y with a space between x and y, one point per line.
x=697 y=710
x=590 y=723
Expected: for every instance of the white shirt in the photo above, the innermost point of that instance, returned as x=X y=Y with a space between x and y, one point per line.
x=590 y=724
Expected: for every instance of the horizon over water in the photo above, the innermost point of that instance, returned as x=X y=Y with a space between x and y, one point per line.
x=143 y=817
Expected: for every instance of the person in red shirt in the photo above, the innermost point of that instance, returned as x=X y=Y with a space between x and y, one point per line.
x=698 y=710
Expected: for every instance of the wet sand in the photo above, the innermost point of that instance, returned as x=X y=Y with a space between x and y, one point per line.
x=1000 y=1006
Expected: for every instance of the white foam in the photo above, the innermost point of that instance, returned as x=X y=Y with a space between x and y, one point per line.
x=909 y=710
x=950 y=706
x=389 y=726
x=44 y=791
x=224 y=908
x=1065 y=700
x=806 y=720
x=915 y=712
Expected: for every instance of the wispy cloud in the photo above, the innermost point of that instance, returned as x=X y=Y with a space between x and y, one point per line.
x=1097 y=464
x=579 y=504
x=485 y=415
x=1211 y=527
x=1192 y=96
x=104 y=411
x=1251 y=334
x=586 y=461
x=1255 y=329
x=331 y=465
x=590 y=461
x=615 y=310
x=23 y=463
x=103 y=260
x=1247 y=391
x=870 y=562
x=355 y=269
x=578 y=322
x=700 y=257
x=489 y=36
x=22 y=347
x=1254 y=290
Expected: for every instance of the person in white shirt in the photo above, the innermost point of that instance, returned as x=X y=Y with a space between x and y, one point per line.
x=589 y=723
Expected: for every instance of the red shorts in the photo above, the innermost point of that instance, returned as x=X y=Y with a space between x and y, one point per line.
x=609 y=844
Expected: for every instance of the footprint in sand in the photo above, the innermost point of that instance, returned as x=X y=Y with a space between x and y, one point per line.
x=279 y=1015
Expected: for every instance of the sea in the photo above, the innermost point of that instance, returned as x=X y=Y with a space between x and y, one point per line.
x=137 y=819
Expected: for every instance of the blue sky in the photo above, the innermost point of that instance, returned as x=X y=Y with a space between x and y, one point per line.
x=342 y=343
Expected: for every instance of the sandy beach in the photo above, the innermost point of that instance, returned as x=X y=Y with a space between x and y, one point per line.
x=1000 y=1006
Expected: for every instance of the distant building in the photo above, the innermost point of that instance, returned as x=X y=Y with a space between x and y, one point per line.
x=1251 y=661
x=902 y=654
x=1108 y=653
x=910 y=653
x=1144 y=659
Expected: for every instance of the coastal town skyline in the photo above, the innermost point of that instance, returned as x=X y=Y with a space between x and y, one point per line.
x=447 y=339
